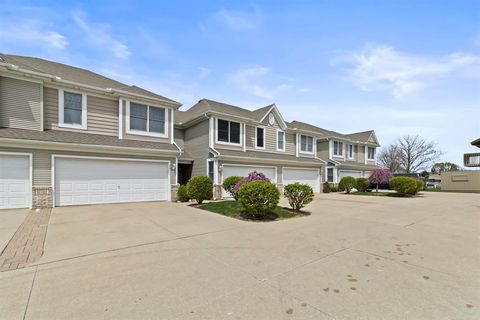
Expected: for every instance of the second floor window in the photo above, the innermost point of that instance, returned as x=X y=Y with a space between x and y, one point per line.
x=280 y=141
x=72 y=109
x=306 y=144
x=260 y=138
x=350 y=151
x=228 y=131
x=337 y=148
x=146 y=118
x=371 y=153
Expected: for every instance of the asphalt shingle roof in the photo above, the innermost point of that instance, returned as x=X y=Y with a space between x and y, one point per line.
x=79 y=75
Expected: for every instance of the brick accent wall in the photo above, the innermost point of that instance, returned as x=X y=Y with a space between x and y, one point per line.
x=42 y=197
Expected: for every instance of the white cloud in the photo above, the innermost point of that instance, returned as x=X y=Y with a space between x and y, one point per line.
x=204 y=71
x=31 y=31
x=382 y=68
x=99 y=34
x=239 y=20
x=255 y=81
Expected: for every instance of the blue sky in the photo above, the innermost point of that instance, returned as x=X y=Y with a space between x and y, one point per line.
x=399 y=67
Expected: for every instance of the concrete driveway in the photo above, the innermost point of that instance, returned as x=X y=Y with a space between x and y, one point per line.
x=354 y=257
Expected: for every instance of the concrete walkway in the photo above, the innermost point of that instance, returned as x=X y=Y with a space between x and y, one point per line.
x=354 y=257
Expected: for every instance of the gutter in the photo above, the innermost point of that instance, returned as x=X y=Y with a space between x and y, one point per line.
x=13 y=67
x=210 y=144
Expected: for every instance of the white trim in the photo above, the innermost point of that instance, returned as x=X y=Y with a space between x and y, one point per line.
x=365 y=150
x=348 y=151
x=342 y=156
x=54 y=156
x=297 y=147
x=120 y=118
x=374 y=153
x=42 y=114
x=300 y=144
x=211 y=131
x=242 y=129
x=306 y=169
x=61 y=104
x=147 y=133
x=172 y=129
x=245 y=137
x=249 y=165
x=264 y=137
x=30 y=170
x=282 y=121
x=284 y=140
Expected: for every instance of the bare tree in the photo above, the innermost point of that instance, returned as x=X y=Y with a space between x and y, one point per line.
x=416 y=153
x=389 y=158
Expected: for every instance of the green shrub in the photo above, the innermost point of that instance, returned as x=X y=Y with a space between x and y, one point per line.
x=420 y=185
x=346 y=184
x=326 y=187
x=182 y=193
x=259 y=197
x=200 y=188
x=333 y=187
x=361 y=184
x=405 y=185
x=229 y=185
x=298 y=195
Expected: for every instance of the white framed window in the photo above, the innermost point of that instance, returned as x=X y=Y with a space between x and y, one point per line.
x=211 y=169
x=371 y=153
x=306 y=144
x=280 y=140
x=229 y=132
x=147 y=120
x=350 y=151
x=330 y=175
x=72 y=109
x=338 y=148
x=260 y=137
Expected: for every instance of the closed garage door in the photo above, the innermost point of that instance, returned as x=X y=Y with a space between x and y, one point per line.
x=350 y=173
x=90 y=181
x=306 y=176
x=15 y=183
x=243 y=171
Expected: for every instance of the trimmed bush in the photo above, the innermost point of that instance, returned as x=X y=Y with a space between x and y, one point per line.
x=420 y=185
x=326 y=187
x=182 y=193
x=405 y=185
x=200 y=188
x=229 y=185
x=346 y=184
x=361 y=184
x=252 y=176
x=259 y=197
x=298 y=195
x=333 y=187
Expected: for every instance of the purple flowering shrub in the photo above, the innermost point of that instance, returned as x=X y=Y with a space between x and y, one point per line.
x=252 y=176
x=379 y=176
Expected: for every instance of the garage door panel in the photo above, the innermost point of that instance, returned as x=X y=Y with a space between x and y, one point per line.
x=110 y=181
x=15 y=181
x=310 y=177
x=350 y=173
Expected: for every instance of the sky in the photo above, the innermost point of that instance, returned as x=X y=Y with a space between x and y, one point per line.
x=398 y=67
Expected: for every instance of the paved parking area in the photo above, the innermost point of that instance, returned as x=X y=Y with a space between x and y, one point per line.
x=354 y=257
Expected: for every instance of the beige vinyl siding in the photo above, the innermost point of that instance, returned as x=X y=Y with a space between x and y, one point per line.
x=169 y=115
x=179 y=137
x=291 y=144
x=323 y=150
x=102 y=114
x=42 y=162
x=20 y=104
x=196 y=143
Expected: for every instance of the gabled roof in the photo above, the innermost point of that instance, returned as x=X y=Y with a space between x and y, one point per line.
x=476 y=143
x=206 y=105
x=78 y=75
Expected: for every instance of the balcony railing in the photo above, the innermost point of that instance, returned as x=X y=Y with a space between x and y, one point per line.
x=471 y=159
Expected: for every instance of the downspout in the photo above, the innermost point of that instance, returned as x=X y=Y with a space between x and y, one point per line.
x=210 y=138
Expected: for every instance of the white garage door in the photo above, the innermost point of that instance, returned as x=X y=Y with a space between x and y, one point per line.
x=243 y=171
x=91 y=181
x=349 y=173
x=15 y=184
x=306 y=176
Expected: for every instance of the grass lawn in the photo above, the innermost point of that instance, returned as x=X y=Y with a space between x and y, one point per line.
x=235 y=209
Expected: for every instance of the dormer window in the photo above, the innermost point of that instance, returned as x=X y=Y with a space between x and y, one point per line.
x=338 y=148
x=143 y=119
x=306 y=144
x=72 y=109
